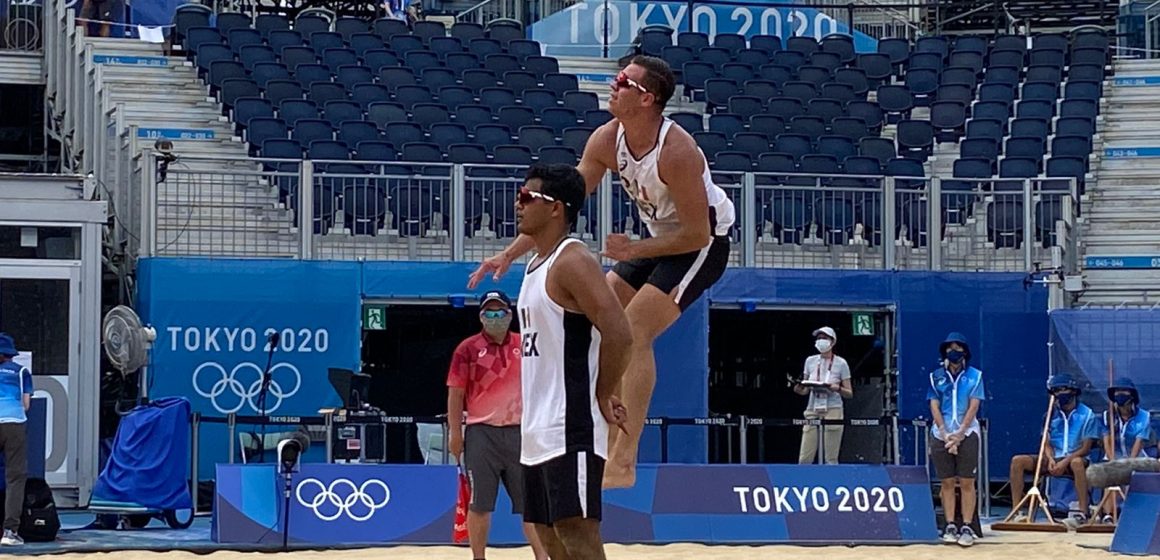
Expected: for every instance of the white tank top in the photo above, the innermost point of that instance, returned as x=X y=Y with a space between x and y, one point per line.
x=561 y=352
x=642 y=182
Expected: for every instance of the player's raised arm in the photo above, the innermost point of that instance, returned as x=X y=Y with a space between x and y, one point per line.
x=598 y=154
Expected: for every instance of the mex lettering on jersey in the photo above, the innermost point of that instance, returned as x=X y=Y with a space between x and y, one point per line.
x=640 y=196
x=528 y=336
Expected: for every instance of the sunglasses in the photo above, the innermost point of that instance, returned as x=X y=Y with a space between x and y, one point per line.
x=622 y=81
x=495 y=313
x=527 y=196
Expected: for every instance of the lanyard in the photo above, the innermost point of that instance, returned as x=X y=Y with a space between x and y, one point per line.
x=829 y=369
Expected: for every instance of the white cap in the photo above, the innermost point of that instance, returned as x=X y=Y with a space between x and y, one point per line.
x=828 y=332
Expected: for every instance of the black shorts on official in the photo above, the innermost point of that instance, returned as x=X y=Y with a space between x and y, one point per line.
x=690 y=274
x=965 y=464
x=491 y=455
x=564 y=487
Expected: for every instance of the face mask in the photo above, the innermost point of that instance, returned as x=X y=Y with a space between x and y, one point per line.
x=1122 y=400
x=496 y=323
x=954 y=356
x=1064 y=399
x=823 y=345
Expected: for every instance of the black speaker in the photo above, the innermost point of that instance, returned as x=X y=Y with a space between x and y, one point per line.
x=864 y=444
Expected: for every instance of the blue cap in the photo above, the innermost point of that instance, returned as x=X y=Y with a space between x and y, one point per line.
x=956 y=338
x=1124 y=384
x=495 y=295
x=1063 y=381
x=7 y=346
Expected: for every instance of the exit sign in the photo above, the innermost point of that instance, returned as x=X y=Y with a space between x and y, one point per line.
x=863 y=324
x=374 y=317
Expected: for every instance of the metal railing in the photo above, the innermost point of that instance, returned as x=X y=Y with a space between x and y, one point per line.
x=22 y=25
x=441 y=211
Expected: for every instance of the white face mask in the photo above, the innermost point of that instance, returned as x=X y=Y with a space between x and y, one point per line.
x=823 y=345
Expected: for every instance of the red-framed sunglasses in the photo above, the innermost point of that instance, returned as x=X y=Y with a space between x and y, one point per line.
x=622 y=81
x=527 y=196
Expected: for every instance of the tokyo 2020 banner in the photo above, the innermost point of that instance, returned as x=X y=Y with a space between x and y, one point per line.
x=215 y=322
x=377 y=504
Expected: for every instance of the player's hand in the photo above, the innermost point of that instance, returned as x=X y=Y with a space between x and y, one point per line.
x=614 y=412
x=455 y=445
x=618 y=247
x=497 y=265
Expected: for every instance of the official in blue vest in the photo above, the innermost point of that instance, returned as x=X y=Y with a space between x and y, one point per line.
x=1128 y=425
x=955 y=394
x=15 y=398
x=1073 y=430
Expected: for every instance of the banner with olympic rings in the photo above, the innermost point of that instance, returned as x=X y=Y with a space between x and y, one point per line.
x=381 y=504
x=216 y=324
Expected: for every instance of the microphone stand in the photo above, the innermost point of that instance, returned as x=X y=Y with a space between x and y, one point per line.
x=273 y=341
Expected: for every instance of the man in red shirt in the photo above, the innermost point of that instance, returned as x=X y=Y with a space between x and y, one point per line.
x=485 y=376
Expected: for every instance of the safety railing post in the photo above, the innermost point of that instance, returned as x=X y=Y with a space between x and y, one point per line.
x=195 y=456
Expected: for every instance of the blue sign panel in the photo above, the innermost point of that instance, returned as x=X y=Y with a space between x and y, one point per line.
x=579 y=30
x=1138 y=152
x=130 y=60
x=176 y=133
x=1138 y=81
x=670 y=503
x=1138 y=531
x=1129 y=262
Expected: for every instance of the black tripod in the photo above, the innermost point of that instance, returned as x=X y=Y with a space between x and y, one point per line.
x=273 y=341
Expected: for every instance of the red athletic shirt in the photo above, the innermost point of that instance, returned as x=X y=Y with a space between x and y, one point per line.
x=490 y=375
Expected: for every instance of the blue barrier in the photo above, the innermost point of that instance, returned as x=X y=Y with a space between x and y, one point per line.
x=1138 y=531
x=381 y=504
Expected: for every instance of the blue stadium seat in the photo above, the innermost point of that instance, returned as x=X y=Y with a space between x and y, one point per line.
x=352 y=75
x=1031 y=127
x=1097 y=57
x=1025 y=147
x=505 y=31
x=577 y=138
x=828 y=60
x=466 y=31
x=461 y=62
x=557 y=154
x=840 y=147
x=766 y=43
x=269 y=23
x=558 y=118
x=538 y=99
x=1050 y=41
x=896 y=101
x=807 y=125
x=428 y=29
x=925 y=61
x=1046 y=57
x=561 y=83
x=321 y=92
x=520 y=81
x=340 y=111
x=717 y=93
x=421 y=60
x=221 y=70
x=1082 y=90
x=958 y=93
x=850 y=127
x=281 y=148
x=262 y=129
x=446 y=134
x=246 y=108
x=970 y=43
x=726 y=123
x=816 y=164
x=195 y=37
x=932 y=44
x=1009 y=76
x=581 y=101
x=455 y=96
x=1038 y=108
x=994 y=110
x=467 y=153
x=500 y=63
x=408 y=96
x=948 y=118
x=238 y=38
x=878 y=148
x=237 y=88
x=390 y=27
x=801 y=44
x=353 y=133
x=1067 y=166
x=986 y=128
x=915 y=139
x=1005 y=223
x=515 y=116
x=437 y=78
x=762 y=89
x=997 y=92
x=693 y=40
x=653 y=40
x=1046 y=91
x=752 y=143
x=1049 y=74
x=789 y=59
x=401 y=133
x=735 y=71
x=541 y=66
x=711 y=143
x=870 y=113
x=401 y=45
x=208 y=54
x=1071 y=146
x=897 y=49
x=425 y=152
x=308 y=74
x=745 y=106
x=471 y=116
x=497 y=97
x=816 y=75
x=492 y=135
x=677 y=56
x=958 y=76
x=596 y=118
x=322 y=41
x=1009 y=42
x=776 y=74
x=841 y=45
x=279 y=90
x=293 y=110
x=484 y=47
x=1077 y=126
x=478 y=78
x=382 y=114
x=827 y=109
x=377 y=60
x=253 y=55
x=973 y=168
x=801 y=91
x=843 y=93
x=796 y=145
x=694 y=76
x=1011 y=59
x=427 y=114
x=327 y=150
x=785 y=107
x=348 y=27
x=754 y=58
x=334 y=59
x=306 y=24
x=855 y=78
x=980 y=148
x=443 y=46
x=711 y=55
x=967 y=59
x=367 y=93
x=922 y=84
x=280 y=39
x=1086 y=108
x=1016 y=167
x=308 y=130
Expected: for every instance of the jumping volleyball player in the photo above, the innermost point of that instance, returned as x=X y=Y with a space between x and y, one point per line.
x=688 y=217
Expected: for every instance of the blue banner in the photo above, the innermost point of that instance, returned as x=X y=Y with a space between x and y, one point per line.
x=1138 y=81
x=1138 y=531
x=176 y=133
x=1126 y=153
x=380 y=504
x=579 y=30
x=114 y=60
x=1132 y=261
x=215 y=320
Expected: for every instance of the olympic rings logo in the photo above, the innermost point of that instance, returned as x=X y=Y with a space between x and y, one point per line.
x=359 y=503
x=244 y=384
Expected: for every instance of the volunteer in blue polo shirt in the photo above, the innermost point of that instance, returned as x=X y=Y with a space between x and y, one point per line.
x=955 y=394
x=1129 y=426
x=1074 y=428
x=15 y=398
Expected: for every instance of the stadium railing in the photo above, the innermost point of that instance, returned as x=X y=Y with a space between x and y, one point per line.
x=464 y=212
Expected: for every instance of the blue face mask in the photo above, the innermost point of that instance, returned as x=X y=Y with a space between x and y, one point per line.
x=1064 y=399
x=955 y=356
x=1121 y=400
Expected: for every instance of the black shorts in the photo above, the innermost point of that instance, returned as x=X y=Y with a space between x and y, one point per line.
x=963 y=465
x=564 y=487
x=689 y=273
x=491 y=454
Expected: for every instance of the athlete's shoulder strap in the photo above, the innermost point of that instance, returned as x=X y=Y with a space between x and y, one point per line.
x=560 y=249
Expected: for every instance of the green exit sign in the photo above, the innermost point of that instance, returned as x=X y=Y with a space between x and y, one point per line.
x=374 y=317
x=863 y=324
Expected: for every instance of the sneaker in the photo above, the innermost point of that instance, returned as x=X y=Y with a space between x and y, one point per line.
x=966 y=536
x=1107 y=520
x=10 y=538
x=950 y=534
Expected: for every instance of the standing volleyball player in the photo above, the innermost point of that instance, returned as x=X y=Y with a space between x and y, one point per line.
x=575 y=341
x=688 y=217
